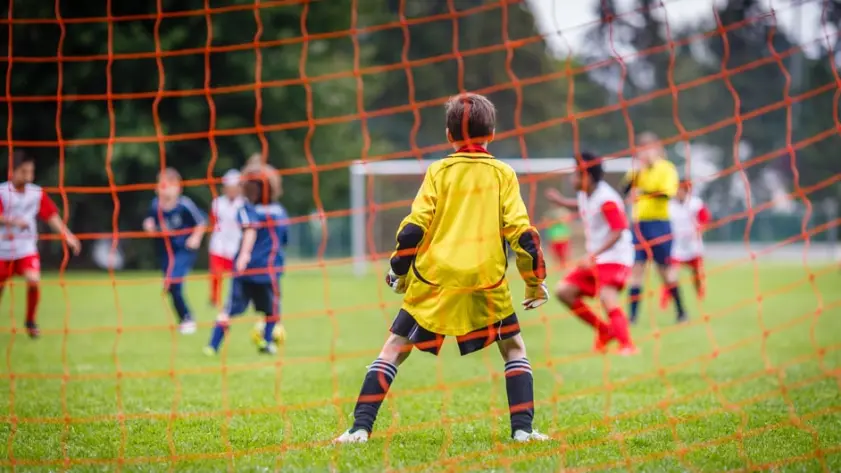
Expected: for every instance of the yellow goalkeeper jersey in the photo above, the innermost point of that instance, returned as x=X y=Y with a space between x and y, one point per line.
x=468 y=207
x=653 y=187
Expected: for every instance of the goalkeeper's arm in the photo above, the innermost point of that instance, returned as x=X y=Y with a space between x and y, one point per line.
x=413 y=228
x=521 y=235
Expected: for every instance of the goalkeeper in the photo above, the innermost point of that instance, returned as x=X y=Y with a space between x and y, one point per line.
x=652 y=186
x=450 y=263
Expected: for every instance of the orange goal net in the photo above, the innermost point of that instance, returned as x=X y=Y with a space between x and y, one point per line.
x=344 y=98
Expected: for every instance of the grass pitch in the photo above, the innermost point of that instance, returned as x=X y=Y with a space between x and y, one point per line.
x=754 y=382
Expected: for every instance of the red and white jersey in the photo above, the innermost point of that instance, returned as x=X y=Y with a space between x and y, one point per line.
x=687 y=217
x=224 y=241
x=602 y=213
x=27 y=205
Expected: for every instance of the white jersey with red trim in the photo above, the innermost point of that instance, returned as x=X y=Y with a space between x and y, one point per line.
x=27 y=205
x=686 y=228
x=226 y=236
x=597 y=229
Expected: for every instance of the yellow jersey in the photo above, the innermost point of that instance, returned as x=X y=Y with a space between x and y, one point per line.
x=468 y=207
x=652 y=188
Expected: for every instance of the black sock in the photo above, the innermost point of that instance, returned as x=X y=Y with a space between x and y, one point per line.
x=374 y=388
x=675 y=292
x=520 y=388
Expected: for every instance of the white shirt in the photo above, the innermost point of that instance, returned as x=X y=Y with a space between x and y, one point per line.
x=224 y=241
x=597 y=230
x=687 y=243
x=28 y=205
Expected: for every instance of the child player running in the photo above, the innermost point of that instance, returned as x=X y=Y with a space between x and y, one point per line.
x=259 y=261
x=688 y=215
x=22 y=204
x=450 y=263
x=610 y=253
x=224 y=241
x=182 y=226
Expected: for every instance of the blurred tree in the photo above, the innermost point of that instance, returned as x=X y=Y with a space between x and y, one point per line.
x=204 y=85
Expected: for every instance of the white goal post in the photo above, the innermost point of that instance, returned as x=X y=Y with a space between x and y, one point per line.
x=360 y=171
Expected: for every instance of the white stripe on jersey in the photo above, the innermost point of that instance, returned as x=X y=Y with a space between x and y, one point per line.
x=225 y=239
x=597 y=230
x=686 y=229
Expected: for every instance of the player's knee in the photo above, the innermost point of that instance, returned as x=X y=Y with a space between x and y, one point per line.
x=223 y=318
x=513 y=348
x=637 y=273
x=32 y=277
x=609 y=298
x=396 y=349
x=566 y=293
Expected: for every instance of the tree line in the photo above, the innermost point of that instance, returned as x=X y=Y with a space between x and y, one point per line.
x=104 y=104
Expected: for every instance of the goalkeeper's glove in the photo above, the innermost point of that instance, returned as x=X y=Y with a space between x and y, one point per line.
x=395 y=282
x=536 y=296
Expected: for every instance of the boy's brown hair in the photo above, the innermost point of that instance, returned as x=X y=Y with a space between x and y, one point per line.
x=470 y=117
x=255 y=167
x=170 y=174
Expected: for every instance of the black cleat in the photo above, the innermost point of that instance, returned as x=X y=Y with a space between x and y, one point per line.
x=682 y=318
x=32 y=330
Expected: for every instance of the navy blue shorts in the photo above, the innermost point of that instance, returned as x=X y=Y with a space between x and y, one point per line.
x=405 y=325
x=655 y=236
x=264 y=295
x=182 y=264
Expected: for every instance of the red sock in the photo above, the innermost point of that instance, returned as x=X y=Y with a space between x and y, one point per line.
x=33 y=296
x=619 y=327
x=214 y=288
x=587 y=316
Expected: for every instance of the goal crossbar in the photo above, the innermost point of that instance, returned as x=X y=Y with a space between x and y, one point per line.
x=360 y=171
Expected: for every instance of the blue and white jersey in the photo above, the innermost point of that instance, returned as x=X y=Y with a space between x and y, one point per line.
x=178 y=221
x=267 y=257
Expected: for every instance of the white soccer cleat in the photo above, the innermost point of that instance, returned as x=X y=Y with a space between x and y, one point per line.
x=357 y=436
x=188 y=327
x=534 y=436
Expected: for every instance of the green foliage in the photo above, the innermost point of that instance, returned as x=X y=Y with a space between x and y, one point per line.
x=199 y=93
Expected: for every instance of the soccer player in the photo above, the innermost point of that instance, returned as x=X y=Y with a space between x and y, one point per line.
x=688 y=215
x=450 y=263
x=651 y=186
x=224 y=241
x=182 y=226
x=22 y=204
x=558 y=235
x=604 y=271
x=259 y=261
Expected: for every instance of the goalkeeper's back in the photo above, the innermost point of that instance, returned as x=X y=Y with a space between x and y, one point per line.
x=452 y=244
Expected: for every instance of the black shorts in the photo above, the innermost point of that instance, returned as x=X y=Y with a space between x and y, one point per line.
x=404 y=325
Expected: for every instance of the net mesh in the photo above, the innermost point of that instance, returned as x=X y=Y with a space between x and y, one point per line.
x=751 y=383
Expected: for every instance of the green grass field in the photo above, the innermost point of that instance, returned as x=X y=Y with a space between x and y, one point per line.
x=753 y=383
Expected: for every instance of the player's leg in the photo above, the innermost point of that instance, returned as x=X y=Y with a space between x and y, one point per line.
x=698 y=278
x=642 y=250
x=215 y=270
x=30 y=268
x=519 y=382
x=380 y=376
x=665 y=293
x=267 y=301
x=183 y=264
x=238 y=301
x=609 y=296
x=662 y=254
x=577 y=284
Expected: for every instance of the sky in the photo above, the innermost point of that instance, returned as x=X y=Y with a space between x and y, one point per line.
x=573 y=17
